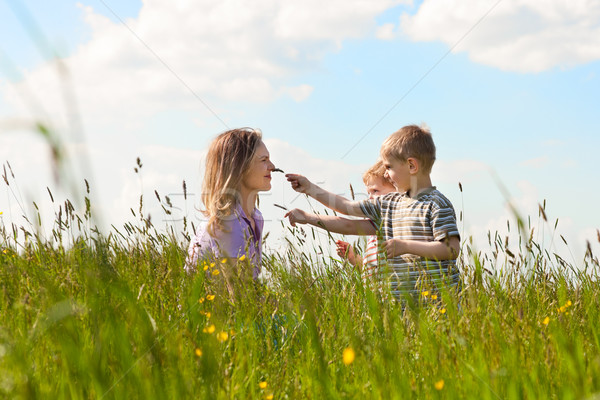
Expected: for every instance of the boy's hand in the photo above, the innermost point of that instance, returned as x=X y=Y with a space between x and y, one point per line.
x=297 y=216
x=299 y=183
x=394 y=247
x=346 y=251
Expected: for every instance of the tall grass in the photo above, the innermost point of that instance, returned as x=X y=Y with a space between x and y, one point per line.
x=90 y=316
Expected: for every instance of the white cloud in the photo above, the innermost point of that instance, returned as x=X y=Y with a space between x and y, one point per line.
x=537 y=163
x=516 y=35
x=175 y=53
x=386 y=32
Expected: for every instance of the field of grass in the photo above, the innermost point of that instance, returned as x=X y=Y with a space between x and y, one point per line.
x=90 y=316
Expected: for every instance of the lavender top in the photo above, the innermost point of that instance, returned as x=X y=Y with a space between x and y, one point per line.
x=236 y=239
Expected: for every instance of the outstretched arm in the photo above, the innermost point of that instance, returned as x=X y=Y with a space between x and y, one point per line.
x=328 y=199
x=446 y=249
x=332 y=223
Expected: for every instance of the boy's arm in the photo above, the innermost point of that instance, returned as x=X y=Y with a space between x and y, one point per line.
x=446 y=249
x=328 y=199
x=332 y=223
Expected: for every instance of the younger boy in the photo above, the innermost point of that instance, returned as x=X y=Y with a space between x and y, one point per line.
x=377 y=185
x=417 y=223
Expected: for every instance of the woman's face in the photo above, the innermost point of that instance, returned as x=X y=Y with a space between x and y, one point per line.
x=258 y=176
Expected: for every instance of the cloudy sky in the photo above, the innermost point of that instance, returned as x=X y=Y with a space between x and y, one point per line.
x=509 y=88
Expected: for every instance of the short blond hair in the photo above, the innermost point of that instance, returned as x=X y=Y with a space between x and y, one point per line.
x=377 y=170
x=411 y=141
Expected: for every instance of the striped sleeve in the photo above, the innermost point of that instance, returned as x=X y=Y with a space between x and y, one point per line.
x=443 y=220
x=372 y=210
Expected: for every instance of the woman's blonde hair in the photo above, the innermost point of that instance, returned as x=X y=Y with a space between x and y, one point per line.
x=229 y=156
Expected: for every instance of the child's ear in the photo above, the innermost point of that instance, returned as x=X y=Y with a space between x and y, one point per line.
x=413 y=165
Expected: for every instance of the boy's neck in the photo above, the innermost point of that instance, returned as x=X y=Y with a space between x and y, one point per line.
x=418 y=184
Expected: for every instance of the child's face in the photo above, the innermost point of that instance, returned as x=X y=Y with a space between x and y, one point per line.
x=378 y=186
x=398 y=172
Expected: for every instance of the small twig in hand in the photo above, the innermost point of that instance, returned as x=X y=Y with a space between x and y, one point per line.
x=282 y=207
x=278 y=170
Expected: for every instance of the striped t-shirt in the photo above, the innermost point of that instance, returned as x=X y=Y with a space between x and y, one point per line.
x=427 y=217
x=370 y=263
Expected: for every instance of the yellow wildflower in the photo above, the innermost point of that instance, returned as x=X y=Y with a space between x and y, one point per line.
x=216 y=272
x=262 y=384
x=212 y=265
x=546 y=321
x=569 y=304
x=434 y=297
x=443 y=311
x=222 y=336
x=207 y=314
x=425 y=293
x=5 y=251
x=243 y=257
x=205 y=267
x=223 y=261
x=209 y=329
x=439 y=385
x=210 y=297
x=201 y=300
x=269 y=396
x=348 y=356
x=198 y=352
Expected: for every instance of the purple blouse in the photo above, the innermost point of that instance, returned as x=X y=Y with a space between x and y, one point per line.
x=236 y=239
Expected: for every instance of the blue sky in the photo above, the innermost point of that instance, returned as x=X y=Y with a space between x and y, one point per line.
x=509 y=89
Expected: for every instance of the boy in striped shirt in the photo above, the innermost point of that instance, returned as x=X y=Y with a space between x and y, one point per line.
x=377 y=185
x=417 y=223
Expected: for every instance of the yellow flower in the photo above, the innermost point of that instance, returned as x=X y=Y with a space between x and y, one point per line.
x=434 y=297
x=348 y=356
x=243 y=257
x=269 y=396
x=222 y=336
x=207 y=314
x=209 y=329
x=198 y=352
x=562 y=309
x=569 y=304
x=5 y=251
x=546 y=321
x=210 y=297
x=439 y=385
x=201 y=300
x=212 y=265
x=205 y=267
x=443 y=311
x=216 y=272
x=262 y=384
x=223 y=261
x=425 y=293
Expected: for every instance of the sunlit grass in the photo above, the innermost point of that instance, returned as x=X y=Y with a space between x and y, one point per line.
x=86 y=315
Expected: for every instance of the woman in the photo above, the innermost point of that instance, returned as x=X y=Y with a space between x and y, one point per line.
x=237 y=168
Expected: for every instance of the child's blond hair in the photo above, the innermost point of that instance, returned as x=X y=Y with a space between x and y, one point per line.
x=411 y=141
x=377 y=170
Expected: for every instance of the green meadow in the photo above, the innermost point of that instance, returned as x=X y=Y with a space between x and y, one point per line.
x=85 y=315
